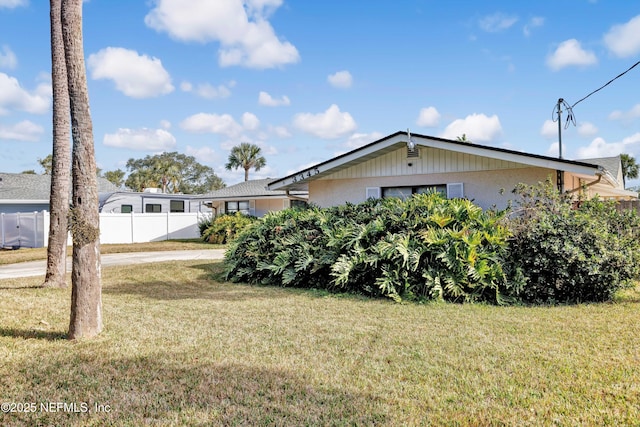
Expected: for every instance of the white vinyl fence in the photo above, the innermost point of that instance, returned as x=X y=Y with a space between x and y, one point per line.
x=31 y=230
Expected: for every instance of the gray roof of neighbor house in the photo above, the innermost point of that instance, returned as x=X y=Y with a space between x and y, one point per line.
x=611 y=164
x=255 y=188
x=24 y=186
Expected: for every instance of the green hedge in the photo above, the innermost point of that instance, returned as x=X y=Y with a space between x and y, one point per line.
x=572 y=251
x=224 y=228
x=423 y=248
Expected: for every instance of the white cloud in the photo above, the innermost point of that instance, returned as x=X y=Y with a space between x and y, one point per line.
x=14 y=97
x=476 y=127
x=222 y=124
x=10 y=4
x=250 y=121
x=280 y=131
x=202 y=154
x=21 y=131
x=341 y=79
x=587 y=129
x=600 y=148
x=8 y=58
x=165 y=124
x=206 y=90
x=429 y=117
x=626 y=116
x=624 y=39
x=331 y=124
x=358 y=140
x=497 y=22
x=246 y=37
x=549 y=129
x=262 y=8
x=140 y=139
x=553 y=150
x=135 y=75
x=267 y=100
x=569 y=53
x=535 y=22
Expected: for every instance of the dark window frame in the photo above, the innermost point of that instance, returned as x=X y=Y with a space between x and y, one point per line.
x=153 y=207
x=173 y=209
x=238 y=207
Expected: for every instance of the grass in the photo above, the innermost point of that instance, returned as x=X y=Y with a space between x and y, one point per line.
x=35 y=254
x=181 y=347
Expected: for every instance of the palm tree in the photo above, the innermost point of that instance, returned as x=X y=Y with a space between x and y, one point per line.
x=167 y=173
x=463 y=138
x=629 y=167
x=246 y=156
x=58 y=163
x=86 y=284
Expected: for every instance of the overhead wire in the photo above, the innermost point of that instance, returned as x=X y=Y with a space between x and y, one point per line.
x=606 y=84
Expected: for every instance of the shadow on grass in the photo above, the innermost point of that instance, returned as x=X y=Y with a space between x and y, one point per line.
x=5 y=288
x=208 y=285
x=172 y=389
x=32 y=334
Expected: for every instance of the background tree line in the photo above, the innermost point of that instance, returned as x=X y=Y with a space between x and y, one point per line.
x=174 y=172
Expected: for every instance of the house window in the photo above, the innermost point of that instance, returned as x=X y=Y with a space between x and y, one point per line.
x=126 y=208
x=233 y=207
x=176 y=206
x=406 y=192
x=154 y=208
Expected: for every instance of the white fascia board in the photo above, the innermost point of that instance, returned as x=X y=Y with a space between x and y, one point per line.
x=321 y=169
x=546 y=163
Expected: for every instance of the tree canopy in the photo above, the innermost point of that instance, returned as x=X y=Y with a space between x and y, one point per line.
x=629 y=167
x=115 y=177
x=47 y=164
x=173 y=172
x=246 y=156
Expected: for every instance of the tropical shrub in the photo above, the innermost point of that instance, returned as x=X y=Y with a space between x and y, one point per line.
x=427 y=247
x=204 y=222
x=571 y=251
x=224 y=228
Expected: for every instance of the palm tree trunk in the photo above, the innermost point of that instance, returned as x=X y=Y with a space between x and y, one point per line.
x=61 y=168
x=86 y=293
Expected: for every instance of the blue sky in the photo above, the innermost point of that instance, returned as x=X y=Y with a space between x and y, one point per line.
x=307 y=80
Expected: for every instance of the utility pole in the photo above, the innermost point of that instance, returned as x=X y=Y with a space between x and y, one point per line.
x=559 y=107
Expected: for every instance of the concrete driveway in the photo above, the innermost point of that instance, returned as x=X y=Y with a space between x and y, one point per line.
x=37 y=268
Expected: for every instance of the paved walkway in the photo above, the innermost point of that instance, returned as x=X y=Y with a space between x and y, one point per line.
x=37 y=268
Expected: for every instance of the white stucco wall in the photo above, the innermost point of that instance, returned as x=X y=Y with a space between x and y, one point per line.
x=483 y=187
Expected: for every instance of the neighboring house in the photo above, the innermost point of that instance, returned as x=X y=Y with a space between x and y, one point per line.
x=149 y=201
x=253 y=198
x=402 y=164
x=21 y=192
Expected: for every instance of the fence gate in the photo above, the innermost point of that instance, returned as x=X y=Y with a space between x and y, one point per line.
x=22 y=230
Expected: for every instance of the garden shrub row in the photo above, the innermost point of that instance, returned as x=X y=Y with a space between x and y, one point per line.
x=544 y=250
x=223 y=229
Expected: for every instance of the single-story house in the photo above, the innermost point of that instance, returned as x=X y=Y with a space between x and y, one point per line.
x=23 y=192
x=402 y=164
x=253 y=198
x=149 y=201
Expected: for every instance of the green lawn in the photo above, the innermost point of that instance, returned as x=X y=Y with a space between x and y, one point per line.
x=182 y=348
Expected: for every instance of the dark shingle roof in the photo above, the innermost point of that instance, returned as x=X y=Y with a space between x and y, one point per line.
x=251 y=188
x=24 y=186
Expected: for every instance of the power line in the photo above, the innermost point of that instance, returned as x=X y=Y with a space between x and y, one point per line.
x=607 y=83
